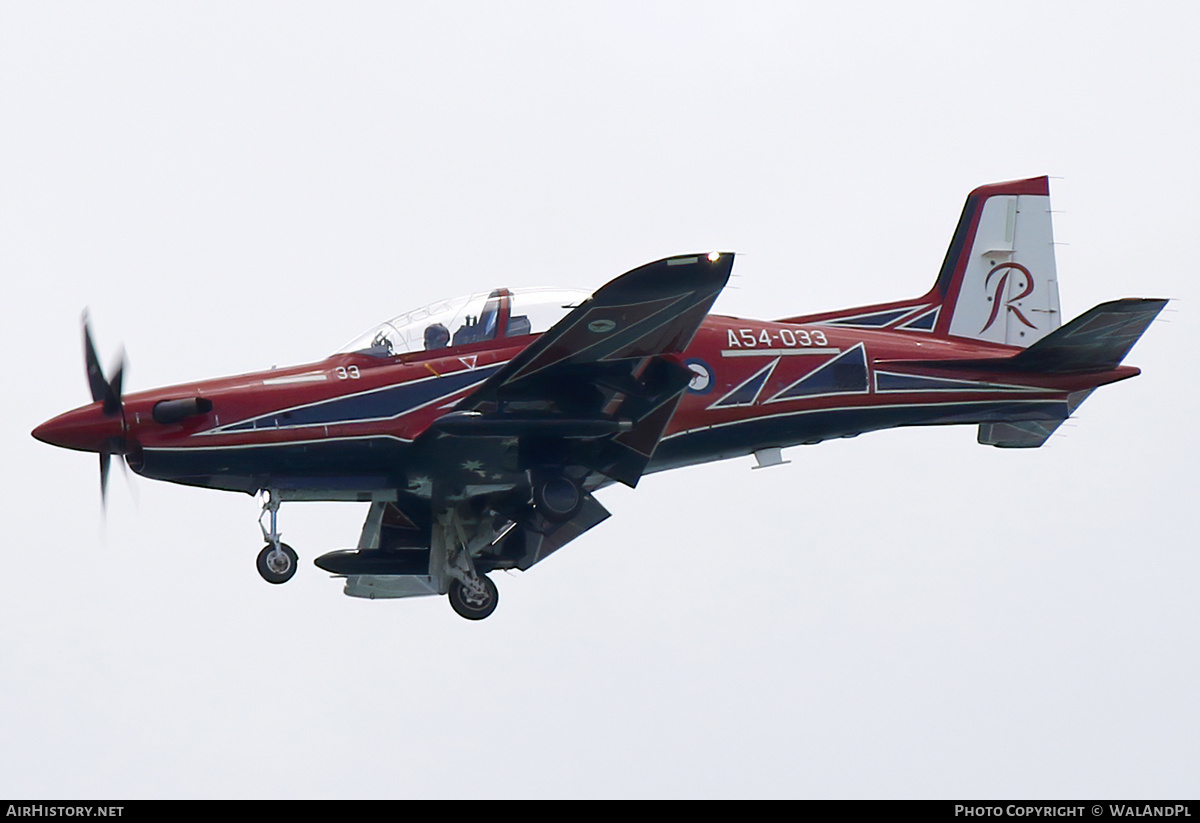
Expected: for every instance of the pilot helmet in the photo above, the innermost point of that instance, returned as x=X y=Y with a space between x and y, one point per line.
x=437 y=336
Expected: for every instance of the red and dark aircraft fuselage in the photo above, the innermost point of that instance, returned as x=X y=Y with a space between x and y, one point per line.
x=479 y=428
x=348 y=423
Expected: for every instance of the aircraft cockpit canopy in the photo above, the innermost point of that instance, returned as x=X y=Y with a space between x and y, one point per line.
x=461 y=321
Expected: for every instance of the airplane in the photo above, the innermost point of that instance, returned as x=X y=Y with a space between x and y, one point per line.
x=480 y=429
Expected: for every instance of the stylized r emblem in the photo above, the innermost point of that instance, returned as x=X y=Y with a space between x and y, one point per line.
x=1001 y=284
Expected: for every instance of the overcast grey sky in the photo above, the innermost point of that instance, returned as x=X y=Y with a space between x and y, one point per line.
x=229 y=186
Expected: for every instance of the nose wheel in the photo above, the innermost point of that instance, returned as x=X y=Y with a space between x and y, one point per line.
x=277 y=561
x=277 y=565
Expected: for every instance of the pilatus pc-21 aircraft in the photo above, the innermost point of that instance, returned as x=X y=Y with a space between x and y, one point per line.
x=480 y=429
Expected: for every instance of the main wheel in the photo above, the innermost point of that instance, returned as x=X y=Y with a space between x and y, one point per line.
x=470 y=605
x=277 y=567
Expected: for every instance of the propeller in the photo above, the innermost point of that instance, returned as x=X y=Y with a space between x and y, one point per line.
x=108 y=394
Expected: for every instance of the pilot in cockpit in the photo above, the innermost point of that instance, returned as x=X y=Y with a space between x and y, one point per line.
x=437 y=336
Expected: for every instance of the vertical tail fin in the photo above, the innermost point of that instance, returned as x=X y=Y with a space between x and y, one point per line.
x=998 y=282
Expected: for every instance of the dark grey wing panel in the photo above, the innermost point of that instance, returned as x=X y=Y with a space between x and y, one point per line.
x=653 y=310
x=598 y=389
x=537 y=539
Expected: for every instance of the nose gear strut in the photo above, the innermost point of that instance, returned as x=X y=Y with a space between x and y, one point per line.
x=277 y=561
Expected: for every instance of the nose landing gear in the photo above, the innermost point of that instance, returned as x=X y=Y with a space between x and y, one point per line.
x=277 y=564
x=277 y=561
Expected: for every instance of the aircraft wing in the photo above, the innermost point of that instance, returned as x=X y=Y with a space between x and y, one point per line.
x=583 y=405
x=597 y=390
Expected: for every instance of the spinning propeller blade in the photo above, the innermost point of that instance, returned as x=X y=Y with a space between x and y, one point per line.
x=95 y=374
x=104 y=458
x=108 y=393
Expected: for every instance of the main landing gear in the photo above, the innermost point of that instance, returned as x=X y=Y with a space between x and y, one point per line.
x=277 y=561
x=474 y=604
x=455 y=539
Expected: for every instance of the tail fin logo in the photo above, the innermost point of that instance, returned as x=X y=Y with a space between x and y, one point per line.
x=1001 y=284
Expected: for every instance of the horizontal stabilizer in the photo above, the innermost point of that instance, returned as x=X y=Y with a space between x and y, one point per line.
x=1027 y=434
x=1097 y=340
x=1024 y=434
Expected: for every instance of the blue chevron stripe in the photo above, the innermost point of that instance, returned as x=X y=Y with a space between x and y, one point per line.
x=379 y=404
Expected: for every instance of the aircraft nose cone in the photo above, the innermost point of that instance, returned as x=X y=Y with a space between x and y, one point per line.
x=86 y=429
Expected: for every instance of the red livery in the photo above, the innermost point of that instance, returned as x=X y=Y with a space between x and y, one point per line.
x=479 y=429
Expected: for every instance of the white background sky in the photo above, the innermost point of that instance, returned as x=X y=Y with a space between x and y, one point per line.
x=229 y=186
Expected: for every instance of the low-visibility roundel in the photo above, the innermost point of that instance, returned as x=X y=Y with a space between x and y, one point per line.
x=602 y=326
x=702 y=377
